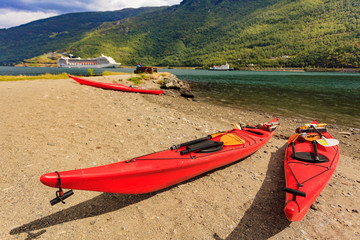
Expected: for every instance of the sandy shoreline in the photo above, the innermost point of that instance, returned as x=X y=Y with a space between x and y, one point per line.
x=50 y=125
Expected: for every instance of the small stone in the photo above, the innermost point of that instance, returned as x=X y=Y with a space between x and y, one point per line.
x=345 y=133
x=314 y=207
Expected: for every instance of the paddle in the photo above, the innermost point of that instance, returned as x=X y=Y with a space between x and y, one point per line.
x=237 y=126
x=323 y=141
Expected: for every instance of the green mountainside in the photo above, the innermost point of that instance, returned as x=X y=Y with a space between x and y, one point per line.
x=55 y=33
x=266 y=33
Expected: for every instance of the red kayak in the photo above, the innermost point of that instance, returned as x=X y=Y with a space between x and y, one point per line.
x=310 y=160
x=163 y=169
x=115 y=86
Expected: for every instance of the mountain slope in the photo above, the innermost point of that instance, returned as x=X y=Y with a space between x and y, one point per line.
x=269 y=33
x=55 y=33
x=290 y=33
x=179 y=35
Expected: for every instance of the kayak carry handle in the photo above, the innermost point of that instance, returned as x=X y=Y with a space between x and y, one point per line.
x=61 y=198
x=295 y=192
x=190 y=142
x=60 y=195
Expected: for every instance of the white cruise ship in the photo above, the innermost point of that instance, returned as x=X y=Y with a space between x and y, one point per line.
x=99 y=62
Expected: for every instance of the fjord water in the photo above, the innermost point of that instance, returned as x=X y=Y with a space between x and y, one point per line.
x=327 y=97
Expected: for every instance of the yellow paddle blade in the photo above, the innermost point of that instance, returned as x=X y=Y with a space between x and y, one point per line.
x=322 y=142
x=231 y=139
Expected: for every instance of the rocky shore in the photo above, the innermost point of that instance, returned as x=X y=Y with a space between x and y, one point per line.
x=53 y=125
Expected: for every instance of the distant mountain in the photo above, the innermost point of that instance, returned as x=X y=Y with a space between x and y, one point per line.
x=55 y=33
x=266 y=33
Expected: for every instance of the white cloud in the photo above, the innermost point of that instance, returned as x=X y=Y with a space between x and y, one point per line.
x=111 y=5
x=10 y=18
x=17 y=12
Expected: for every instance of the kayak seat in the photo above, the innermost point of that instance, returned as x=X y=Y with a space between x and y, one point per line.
x=310 y=157
x=211 y=149
x=206 y=146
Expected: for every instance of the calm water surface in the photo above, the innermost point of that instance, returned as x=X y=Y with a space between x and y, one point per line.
x=328 y=97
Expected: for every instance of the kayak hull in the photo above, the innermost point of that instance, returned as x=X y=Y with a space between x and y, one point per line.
x=114 y=86
x=309 y=178
x=158 y=170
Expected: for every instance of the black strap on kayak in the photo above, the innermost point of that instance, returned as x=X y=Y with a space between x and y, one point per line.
x=190 y=142
x=60 y=195
x=208 y=144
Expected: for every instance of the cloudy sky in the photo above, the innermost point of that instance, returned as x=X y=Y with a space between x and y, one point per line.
x=17 y=12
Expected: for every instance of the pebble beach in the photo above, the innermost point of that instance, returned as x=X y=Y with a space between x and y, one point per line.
x=57 y=125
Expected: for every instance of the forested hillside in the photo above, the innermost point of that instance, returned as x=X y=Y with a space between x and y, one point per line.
x=55 y=33
x=265 y=33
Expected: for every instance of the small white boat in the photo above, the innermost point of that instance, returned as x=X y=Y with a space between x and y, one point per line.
x=225 y=67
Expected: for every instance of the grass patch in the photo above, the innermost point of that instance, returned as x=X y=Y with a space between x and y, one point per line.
x=136 y=80
x=160 y=82
x=109 y=73
x=43 y=76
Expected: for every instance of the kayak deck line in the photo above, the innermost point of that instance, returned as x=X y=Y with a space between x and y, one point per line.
x=328 y=168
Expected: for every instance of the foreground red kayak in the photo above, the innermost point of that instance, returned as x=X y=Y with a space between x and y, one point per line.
x=115 y=86
x=163 y=169
x=310 y=160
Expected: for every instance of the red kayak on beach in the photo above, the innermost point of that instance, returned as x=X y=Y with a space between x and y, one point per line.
x=310 y=160
x=114 y=86
x=159 y=170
